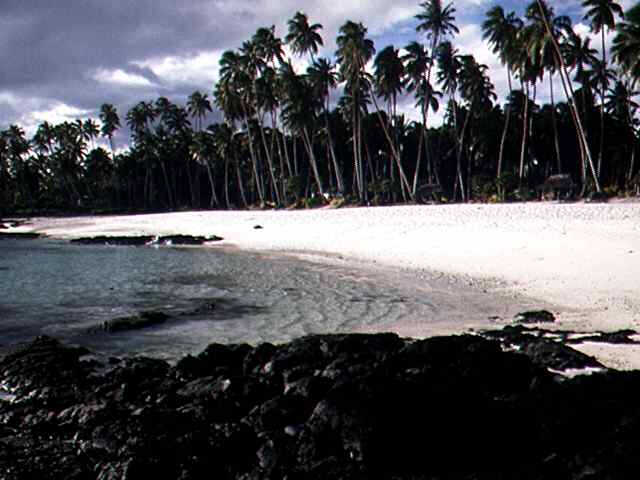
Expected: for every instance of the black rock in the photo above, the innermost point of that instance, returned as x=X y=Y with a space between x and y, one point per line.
x=135 y=322
x=19 y=236
x=324 y=406
x=114 y=240
x=535 y=316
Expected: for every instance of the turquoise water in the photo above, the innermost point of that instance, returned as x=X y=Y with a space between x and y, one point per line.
x=55 y=288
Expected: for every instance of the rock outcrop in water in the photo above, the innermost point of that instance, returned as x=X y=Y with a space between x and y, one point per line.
x=140 y=240
x=320 y=407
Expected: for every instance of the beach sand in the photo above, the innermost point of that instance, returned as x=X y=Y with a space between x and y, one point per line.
x=580 y=260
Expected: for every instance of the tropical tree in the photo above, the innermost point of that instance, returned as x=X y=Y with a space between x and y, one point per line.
x=602 y=15
x=110 y=123
x=544 y=16
x=303 y=38
x=354 y=51
x=622 y=106
x=198 y=106
x=323 y=78
x=437 y=21
x=626 y=43
x=501 y=31
x=388 y=80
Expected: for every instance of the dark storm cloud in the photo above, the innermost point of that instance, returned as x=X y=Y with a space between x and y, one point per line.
x=51 y=50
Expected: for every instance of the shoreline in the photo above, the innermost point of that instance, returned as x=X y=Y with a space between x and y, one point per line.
x=580 y=259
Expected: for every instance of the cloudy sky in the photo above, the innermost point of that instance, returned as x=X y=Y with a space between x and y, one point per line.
x=60 y=60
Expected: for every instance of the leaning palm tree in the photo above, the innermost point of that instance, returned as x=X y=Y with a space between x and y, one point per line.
x=542 y=57
x=354 y=51
x=501 y=31
x=602 y=14
x=545 y=15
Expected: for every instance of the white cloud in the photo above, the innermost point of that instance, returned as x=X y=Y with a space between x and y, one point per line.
x=122 y=78
x=201 y=69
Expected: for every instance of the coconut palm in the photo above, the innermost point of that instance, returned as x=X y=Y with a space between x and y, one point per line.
x=298 y=115
x=540 y=13
x=626 y=43
x=235 y=97
x=620 y=103
x=501 y=31
x=388 y=81
x=602 y=17
x=437 y=21
x=303 y=38
x=110 y=123
x=198 y=105
x=542 y=56
x=354 y=51
x=323 y=78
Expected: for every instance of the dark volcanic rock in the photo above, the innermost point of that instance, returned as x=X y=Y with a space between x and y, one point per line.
x=114 y=240
x=135 y=322
x=535 y=316
x=141 y=240
x=326 y=406
x=19 y=235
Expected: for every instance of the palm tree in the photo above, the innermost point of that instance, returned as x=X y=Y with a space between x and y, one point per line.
x=541 y=53
x=298 y=115
x=389 y=80
x=621 y=105
x=626 y=43
x=110 y=123
x=198 y=105
x=302 y=37
x=323 y=78
x=437 y=22
x=235 y=97
x=544 y=17
x=602 y=14
x=501 y=31
x=354 y=51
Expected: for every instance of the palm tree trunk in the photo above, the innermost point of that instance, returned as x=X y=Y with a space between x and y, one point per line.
x=226 y=182
x=336 y=167
x=312 y=159
x=240 y=186
x=423 y=140
x=525 y=129
x=604 y=65
x=554 y=121
x=254 y=161
x=214 y=198
x=396 y=155
x=506 y=127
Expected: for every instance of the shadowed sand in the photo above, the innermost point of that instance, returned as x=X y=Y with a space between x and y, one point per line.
x=584 y=259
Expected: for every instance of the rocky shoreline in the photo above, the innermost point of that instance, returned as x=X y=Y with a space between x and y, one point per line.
x=347 y=406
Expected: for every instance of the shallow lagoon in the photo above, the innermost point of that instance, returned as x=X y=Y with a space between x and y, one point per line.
x=55 y=288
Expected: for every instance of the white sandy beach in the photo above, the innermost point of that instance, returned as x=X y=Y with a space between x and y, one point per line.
x=584 y=259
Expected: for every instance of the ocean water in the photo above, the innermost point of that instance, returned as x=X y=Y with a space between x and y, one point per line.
x=50 y=287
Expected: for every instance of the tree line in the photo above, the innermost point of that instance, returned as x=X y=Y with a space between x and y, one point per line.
x=289 y=137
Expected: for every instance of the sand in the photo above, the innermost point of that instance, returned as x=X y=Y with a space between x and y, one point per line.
x=583 y=259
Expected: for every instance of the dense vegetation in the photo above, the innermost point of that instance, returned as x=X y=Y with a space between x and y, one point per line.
x=287 y=136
